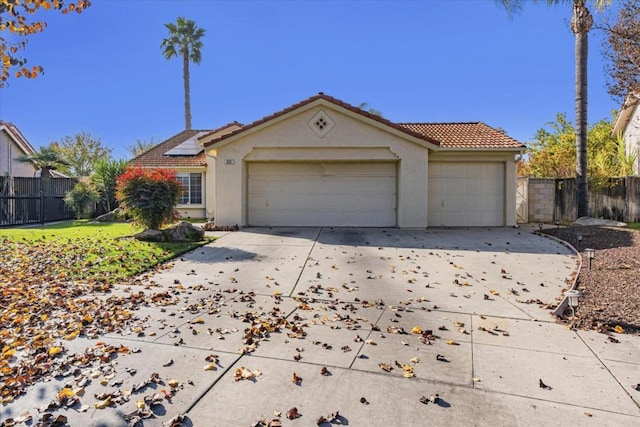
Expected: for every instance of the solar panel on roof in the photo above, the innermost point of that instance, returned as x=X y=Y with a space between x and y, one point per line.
x=190 y=147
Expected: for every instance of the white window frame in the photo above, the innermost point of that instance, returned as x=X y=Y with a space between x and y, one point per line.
x=187 y=190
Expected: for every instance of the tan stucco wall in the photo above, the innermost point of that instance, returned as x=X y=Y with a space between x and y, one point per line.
x=9 y=150
x=289 y=140
x=510 y=171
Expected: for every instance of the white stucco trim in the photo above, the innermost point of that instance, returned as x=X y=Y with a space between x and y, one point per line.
x=629 y=107
x=319 y=154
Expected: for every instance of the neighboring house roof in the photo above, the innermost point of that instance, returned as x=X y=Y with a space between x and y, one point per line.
x=15 y=134
x=157 y=156
x=332 y=100
x=473 y=135
x=56 y=174
x=625 y=114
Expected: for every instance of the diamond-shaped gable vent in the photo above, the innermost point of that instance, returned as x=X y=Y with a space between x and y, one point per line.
x=321 y=123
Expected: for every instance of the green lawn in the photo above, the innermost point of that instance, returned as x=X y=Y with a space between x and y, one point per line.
x=634 y=225
x=84 y=251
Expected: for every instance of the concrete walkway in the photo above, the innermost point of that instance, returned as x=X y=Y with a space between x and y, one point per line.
x=369 y=321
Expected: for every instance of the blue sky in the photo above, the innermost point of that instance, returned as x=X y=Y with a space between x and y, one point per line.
x=415 y=61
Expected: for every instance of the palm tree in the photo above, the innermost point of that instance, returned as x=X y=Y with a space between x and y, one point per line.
x=581 y=22
x=184 y=39
x=365 y=106
x=46 y=159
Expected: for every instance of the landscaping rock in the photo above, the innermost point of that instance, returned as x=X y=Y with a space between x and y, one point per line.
x=184 y=232
x=151 y=236
x=115 y=215
x=586 y=221
x=610 y=289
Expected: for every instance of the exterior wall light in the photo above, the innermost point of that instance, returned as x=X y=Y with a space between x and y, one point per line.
x=572 y=299
x=591 y=254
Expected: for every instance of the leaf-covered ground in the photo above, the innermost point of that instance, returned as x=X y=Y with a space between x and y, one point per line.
x=49 y=277
x=79 y=250
x=611 y=289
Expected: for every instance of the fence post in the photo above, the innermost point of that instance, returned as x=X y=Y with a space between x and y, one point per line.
x=41 y=205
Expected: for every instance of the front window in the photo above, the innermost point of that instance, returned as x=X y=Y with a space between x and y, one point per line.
x=192 y=193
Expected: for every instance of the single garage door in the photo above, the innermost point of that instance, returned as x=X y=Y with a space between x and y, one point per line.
x=466 y=194
x=322 y=194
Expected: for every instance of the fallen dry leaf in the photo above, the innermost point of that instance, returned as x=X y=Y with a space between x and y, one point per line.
x=297 y=380
x=385 y=367
x=103 y=403
x=244 y=373
x=293 y=413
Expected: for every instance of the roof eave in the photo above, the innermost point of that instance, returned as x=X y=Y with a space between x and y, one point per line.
x=202 y=166
x=20 y=140
x=215 y=134
x=624 y=115
x=318 y=100
x=486 y=149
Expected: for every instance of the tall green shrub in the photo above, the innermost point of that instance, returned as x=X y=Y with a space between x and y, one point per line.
x=149 y=195
x=105 y=177
x=81 y=197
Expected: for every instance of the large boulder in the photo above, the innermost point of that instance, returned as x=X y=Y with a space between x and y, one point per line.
x=151 y=236
x=184 y=232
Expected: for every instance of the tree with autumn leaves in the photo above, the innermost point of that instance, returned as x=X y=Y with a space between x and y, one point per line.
x=552 y=153
x=15 y=21
x=622 y=51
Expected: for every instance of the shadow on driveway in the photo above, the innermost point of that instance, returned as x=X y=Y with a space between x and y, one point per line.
x=467 y=239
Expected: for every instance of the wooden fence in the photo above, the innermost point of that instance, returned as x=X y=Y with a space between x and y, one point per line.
x=33 y=200
x=550 y=200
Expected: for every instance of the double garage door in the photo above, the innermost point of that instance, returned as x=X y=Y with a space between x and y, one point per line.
x=466 y=194
x=322 y=194
x=365 y=194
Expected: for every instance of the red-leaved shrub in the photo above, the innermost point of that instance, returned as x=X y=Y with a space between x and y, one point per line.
x=149 y=195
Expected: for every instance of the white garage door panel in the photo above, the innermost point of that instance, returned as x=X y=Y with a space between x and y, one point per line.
x=466 y=194
x=327 y=194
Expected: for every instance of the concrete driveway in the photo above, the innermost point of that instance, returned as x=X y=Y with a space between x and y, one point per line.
x=370 y=321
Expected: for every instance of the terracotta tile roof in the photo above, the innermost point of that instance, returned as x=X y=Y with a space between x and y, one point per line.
x=335 y=101
x=472 y=135
x=155 y=157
